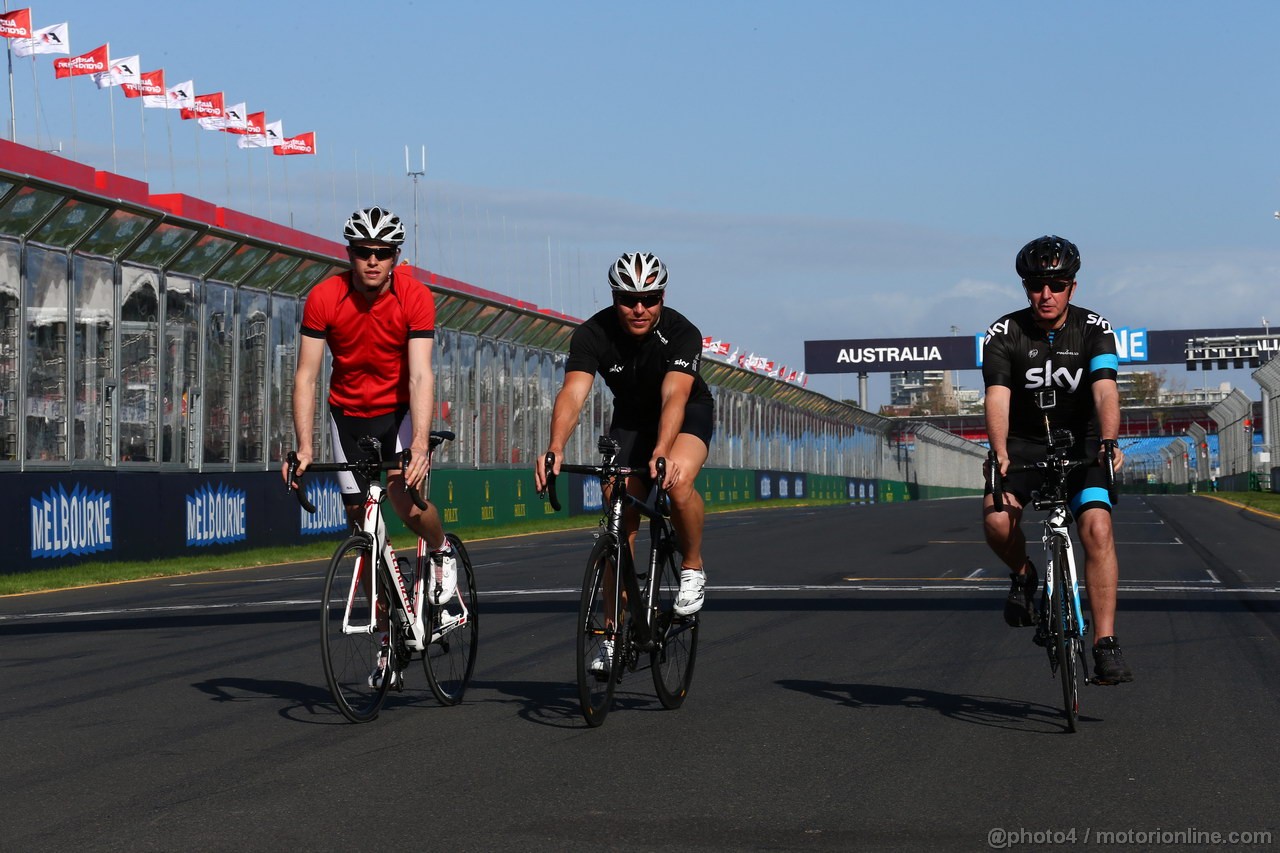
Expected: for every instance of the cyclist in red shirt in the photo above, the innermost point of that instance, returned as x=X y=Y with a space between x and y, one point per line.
x=379 y=325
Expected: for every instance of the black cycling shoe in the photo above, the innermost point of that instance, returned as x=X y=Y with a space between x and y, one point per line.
x=1019 y=609
x=1108 y=662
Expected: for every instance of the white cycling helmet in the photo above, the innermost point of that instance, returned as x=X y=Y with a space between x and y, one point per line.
x=632 y=272
x=376 y=224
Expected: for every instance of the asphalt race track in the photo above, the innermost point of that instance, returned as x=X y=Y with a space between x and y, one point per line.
x=856 y=687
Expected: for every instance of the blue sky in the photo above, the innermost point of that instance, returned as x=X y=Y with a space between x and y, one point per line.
x=808 y=170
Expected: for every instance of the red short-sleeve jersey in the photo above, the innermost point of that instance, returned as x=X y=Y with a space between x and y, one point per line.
x=369 y=342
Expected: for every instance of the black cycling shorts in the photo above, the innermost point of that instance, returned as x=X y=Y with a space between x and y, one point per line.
x=394 y=430
x=1086 y=486
x=637 y=444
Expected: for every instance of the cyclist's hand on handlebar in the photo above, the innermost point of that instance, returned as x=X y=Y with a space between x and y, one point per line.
x=304 y=462
x=672 y=469
x=540 y=471
x=419 y=465
x=1117 y=459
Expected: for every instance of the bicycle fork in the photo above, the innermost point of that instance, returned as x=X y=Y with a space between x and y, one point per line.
x=1076 y=628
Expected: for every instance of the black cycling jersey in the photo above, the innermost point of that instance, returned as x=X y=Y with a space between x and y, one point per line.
x=634 y=368
x=1056 y=370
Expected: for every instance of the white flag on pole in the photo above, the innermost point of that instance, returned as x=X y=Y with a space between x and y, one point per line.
x=181 y=96
x=45 y=40
x=120 y=71
x=273 y=136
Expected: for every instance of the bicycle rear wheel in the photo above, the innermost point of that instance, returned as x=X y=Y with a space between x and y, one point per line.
x=596 y=621
x=676 y=638
x=1061 y=622
x=450 y=658
x=350 y=636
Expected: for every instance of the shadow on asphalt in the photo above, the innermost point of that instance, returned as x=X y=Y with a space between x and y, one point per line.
x=990 y=711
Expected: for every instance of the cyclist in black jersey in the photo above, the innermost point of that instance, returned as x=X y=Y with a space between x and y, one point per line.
x=648 y=355
x=1056 y=360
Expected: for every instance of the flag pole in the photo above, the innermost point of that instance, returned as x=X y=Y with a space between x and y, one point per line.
x=142 y=114
x=112 y=101
x=13 y=112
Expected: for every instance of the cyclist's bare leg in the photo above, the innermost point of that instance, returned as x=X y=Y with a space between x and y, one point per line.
x=1102 y=568
x=1003 y=531
x=425 y=523
x=687 y=510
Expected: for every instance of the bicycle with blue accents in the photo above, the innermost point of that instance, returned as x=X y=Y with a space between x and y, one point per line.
x=1060 y=626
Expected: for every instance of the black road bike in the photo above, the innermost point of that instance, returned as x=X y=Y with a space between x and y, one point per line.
x=637 y=616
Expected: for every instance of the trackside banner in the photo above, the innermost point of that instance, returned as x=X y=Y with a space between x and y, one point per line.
x=886 y=355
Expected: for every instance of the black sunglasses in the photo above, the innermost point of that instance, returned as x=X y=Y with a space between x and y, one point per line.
x=364 y=253
x=1057 y=285
x=631 y=300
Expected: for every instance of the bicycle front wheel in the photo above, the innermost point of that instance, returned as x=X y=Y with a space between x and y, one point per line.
x=1064 y=642
x=350 y=636
x=676 y=638
x=450 y=657
x=597 y=618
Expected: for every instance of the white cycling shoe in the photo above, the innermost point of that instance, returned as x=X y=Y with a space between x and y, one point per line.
x=443 y=579
x=603 y=664
x=689 y=600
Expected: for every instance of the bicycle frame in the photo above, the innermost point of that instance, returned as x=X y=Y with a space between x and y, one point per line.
x=661 y=535
x=1055 y=526
x=411 y=601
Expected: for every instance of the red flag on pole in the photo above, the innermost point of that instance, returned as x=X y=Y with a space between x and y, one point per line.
x=303 y=143
x=204 y=107
x=93 y=62
x=16 y=24
x=152 y=84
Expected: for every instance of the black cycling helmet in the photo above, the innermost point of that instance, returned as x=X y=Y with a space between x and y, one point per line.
x=1048 y=257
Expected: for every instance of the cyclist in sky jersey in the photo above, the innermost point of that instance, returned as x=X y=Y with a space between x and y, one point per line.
x=1057 y=360
x=648 y=355
x=379 y=325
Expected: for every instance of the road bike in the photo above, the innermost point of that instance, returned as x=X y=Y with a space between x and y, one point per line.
x=638 y=615
x=361 y=629
x=1060 y=624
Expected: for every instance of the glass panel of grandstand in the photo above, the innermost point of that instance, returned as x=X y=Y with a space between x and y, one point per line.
x=240 y=263
x=25 y=210
x=44 y=362
x=270 y=273
x=93 y=358
x=161 y=245
x=218 y=377
x=284 y=359
x=251 y=389
x=201 y=255
x=139 y=392
x=306 y=275
x=181 y=358
x=115 y=234
x=10 y=326
x=72 y=221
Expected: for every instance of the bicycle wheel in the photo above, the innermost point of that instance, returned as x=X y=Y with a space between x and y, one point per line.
x=676 y=646
x=1061 y=626
x=596 y=618
x=455 y=633
x=349 y=632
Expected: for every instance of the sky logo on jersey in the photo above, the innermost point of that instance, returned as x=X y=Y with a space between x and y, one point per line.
x=330 y=515
x=216 y=516
x=77 y=523
x=1045 y=377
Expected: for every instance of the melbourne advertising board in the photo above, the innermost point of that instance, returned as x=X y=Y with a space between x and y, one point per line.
x=886 y=355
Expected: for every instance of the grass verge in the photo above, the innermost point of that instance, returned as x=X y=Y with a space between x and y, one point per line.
x=1268 y=502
